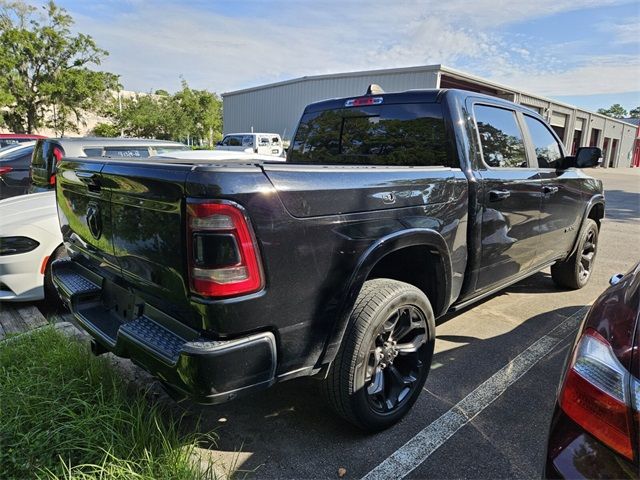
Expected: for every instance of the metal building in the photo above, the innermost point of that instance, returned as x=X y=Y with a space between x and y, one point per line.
x=277 y=107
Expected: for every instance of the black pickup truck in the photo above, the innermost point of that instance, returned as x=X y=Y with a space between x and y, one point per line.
x=391 y=209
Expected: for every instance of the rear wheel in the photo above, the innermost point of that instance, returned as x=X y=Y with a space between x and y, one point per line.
x=51 y=297
x=385 y=355
x=574 y=273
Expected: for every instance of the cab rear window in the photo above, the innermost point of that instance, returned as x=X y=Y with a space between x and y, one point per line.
x=392 y=134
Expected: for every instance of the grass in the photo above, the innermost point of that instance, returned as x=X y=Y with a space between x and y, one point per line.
x=67 y=414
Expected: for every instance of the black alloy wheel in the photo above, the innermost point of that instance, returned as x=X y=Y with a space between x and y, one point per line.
x=384 y=357
x=575 y=271
x=587 y=255
x=394 y=363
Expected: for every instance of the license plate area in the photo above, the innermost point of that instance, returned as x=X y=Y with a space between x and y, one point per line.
x=121 y=302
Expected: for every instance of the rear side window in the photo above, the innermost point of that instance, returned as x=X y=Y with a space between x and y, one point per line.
x=38 y=159
x=546 y=146
x=126 y=152
x=169 y=148
x=500 y=137
x=391 y=134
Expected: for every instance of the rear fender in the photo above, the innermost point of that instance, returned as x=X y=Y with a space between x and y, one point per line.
x=376 y=252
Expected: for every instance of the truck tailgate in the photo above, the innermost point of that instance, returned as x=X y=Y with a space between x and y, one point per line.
x=125 y=222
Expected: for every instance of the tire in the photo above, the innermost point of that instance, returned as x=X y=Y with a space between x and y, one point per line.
x=575 y=272
x=51 y=297
x=371 y=383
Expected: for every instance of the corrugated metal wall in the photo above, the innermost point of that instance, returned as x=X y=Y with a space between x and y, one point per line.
x=278 y=108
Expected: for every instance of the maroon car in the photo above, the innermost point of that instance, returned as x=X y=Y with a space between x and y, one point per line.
x=595 y=429
x=11 y=138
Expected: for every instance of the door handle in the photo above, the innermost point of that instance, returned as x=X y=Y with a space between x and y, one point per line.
x=547 y=189
x=497 y=195
x=85 y=176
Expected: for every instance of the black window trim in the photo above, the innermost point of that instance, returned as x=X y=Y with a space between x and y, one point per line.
x=532 y=163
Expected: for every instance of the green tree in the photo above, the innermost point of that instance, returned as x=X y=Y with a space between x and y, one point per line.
x=105 y=130
x=191 y=116
x=615 y=111
x=634 y=112
x=44 y=74
x=144 y=116
x=197 y=115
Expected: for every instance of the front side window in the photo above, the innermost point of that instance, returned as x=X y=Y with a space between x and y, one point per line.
x=391 y=134
x=232 y=141
x=548 y=151
x=500 y=137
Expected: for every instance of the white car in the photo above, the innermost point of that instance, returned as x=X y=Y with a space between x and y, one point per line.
x=30 y=240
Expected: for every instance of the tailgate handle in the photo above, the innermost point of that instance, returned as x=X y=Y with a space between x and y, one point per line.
x=91 y=179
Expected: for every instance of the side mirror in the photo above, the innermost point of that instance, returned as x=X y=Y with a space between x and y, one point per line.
x=587 y=157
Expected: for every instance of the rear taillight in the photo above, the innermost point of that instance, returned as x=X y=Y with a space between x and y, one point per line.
x=224 y=260
x=58 y=153
x=4 y=170
x=600 y=395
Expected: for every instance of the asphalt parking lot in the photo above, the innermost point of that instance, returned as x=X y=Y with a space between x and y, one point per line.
x=486 y=406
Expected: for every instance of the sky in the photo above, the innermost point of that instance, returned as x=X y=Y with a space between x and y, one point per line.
x=582 y=52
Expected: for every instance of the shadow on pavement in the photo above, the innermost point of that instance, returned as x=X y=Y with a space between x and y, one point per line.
x=622 y=206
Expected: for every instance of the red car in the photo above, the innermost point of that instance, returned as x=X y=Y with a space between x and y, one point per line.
x=11 y=138
x=595 y=430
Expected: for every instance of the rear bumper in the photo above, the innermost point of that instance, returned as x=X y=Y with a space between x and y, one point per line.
x=20 y=277
x=208 y=371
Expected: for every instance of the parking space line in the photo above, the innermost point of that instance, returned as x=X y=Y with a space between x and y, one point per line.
x=413 y=453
